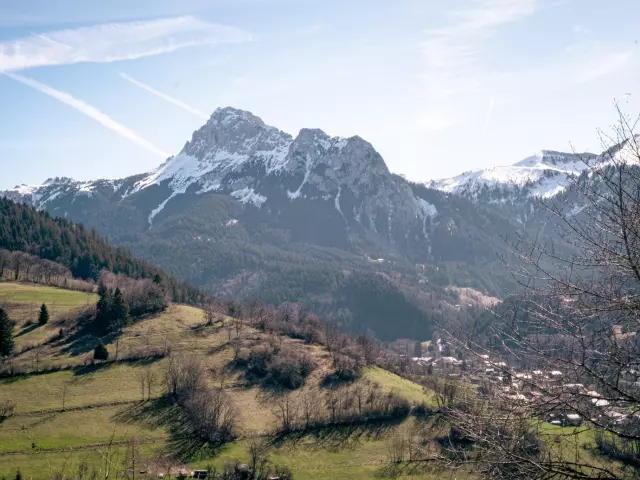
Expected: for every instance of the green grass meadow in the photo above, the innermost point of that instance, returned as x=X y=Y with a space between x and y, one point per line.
x=104 y=412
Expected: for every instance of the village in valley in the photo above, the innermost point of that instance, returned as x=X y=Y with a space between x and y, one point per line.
x=534 y=388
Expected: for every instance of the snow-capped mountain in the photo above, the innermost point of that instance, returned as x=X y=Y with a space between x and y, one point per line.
x=543 y=175
x=236 y=154
x=248 y=211
x=41 y=196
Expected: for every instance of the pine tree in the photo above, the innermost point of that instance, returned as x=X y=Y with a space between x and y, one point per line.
x=43 y=316
x=6 y=334
x=103 y=311
x=418 y=349
x=120 y=317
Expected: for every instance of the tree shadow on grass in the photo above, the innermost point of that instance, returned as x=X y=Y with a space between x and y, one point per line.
x=219 y=348
x=205 y=330
x=184 y=443
x=338 y=436
x=28 y=328
x=13 y=379
x=84 y=340
x=93 y=368
x=420 y=467
x=85 y=337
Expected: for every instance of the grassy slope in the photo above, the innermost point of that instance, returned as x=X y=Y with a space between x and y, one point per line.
x=23 y=302
x=65 y=438
x=13 y=292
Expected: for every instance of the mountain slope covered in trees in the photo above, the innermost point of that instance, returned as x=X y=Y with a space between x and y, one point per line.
x=84 y=252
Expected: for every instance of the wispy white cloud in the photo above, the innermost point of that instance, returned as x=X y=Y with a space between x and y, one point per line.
x=601 y=64
x=453 y=56
x=91 y=112
x=166 y=97
x=487 y=120
x=114 y=41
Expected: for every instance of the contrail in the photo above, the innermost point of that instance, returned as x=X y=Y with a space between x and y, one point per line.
x=89 y=111
x=489 y=112
x=166 y=97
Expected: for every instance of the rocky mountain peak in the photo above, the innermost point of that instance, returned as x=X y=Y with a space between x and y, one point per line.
x=231 y=134
x=236 y=154
x=229 y=117
x=59 y=181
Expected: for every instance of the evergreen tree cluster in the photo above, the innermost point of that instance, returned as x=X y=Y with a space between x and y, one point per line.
x=83 y=251
x=112 y=312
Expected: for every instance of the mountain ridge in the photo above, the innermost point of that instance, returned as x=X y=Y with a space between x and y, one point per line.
x=247 y=211
x=543 y=175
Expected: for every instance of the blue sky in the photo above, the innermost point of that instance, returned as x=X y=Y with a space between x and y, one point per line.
x=108 y=89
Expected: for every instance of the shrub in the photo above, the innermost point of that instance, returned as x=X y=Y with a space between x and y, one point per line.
x=285 y=368
x=283 y=472
x=258 y=362
x=101 y=352
x=289 y=369
x=346 y=370
x=421 y=410
x=210 y=413
x=6 y=409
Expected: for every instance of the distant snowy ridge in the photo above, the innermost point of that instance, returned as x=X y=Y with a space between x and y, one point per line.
x=543 y=175
x=39 y=196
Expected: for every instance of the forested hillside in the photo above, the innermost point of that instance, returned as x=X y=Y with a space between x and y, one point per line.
x=83 y=251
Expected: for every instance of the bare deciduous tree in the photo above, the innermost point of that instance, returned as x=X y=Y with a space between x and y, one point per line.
x=238 y=324
x=213 y=415
x=572 y=333
x=142 y=380
x=211 y=412
x=310 y=405
x=369 y=347
x=184 y=374
x=285 y=411
x=150 y=379
x=210 y=315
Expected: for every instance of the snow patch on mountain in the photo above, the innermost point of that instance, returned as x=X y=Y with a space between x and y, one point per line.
x=337 y=202
x=296 y=194
x=429 y=212
x=26 y=189
x=160 y=207
x=181 y=171
x=85 y=189
x=248 y=195
x=428 y=209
